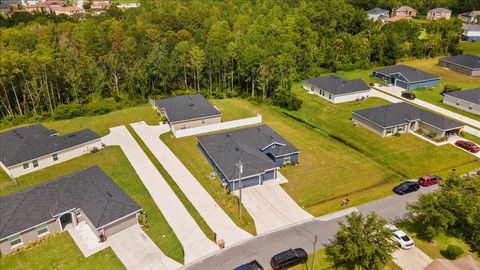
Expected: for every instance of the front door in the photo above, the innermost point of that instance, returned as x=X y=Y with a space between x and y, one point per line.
x=66 y=219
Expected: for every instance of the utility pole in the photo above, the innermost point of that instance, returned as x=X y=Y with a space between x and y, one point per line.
x=314 y=250
x=240 y=171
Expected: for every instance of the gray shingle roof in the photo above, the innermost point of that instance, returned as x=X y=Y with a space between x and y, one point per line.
x=377 y=11
x=187 y=107
x=470 y=95
x=471 y=27
x=30 y=142
x=227 y=148
x=401 y=113
x=91 y=190
x=410 y=73
x=338 y=86
x=467 y=60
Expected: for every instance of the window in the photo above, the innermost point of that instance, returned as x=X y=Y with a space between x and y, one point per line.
x=25 y=166
x=15 y=240
x=389 y=131
x=286 y=159
x=42 y=229
x=35 y=163
x=400 y=128
x=329 y=96
x=55 y=157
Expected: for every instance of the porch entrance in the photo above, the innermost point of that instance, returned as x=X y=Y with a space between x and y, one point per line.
x=66 y=219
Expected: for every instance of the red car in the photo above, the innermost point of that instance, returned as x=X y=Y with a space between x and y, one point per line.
x=429 y=180
x=469 y=146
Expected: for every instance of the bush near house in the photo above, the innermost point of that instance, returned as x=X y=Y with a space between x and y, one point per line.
x=452 y=252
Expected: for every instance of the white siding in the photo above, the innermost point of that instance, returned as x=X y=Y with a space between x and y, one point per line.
x=461 y=104
x=335 y=98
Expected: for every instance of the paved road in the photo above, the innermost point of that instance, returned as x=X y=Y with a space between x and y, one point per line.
x=271 y=207
x=264 y=246
x=195 y=243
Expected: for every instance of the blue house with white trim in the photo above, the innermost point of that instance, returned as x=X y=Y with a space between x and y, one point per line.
x=260 y=149
x=406 y=77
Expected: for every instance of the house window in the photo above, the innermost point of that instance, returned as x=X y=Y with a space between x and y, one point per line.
x=15 y=240
x=389 y=131
x=25 y=165
x=42 y=229
x=55 y=157
x=400 y=128
x=329 y=96
x=35 y=163
x=286 y=159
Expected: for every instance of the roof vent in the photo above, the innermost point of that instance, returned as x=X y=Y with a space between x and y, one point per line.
x=190 y=97
x=236 y=149
x=109 y=194
x=228 y=135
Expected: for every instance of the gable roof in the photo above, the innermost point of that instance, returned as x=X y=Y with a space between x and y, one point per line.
x=442 y=10
x=227 y=148
x=401 y=113
x=377 y=11
x=34 y=141
x=466 y=60
x=409 y=73
x=91 y=190
x=338 y=86
x=470 y=14
x=470 y=95
x=404 y=8
x=471 y=27
x=186 y=107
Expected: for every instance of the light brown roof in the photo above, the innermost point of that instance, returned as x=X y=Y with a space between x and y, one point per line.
x=465 y=263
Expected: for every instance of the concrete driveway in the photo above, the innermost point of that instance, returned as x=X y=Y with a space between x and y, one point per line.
x=137 y=251
x=195 y=243
x=271 y=207
x=208 y=208
x=411 y=259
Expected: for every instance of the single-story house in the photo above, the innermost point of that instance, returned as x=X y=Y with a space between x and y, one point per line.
x=467 y=64
x=336 y=89
x=27 y=149
x=404 y=11
x=439 y=13
x=467 y=100
x=260 y=149
x=402 y=117
x=88 y=196
x=406 y=77
x=188 y=111
x=471 y=32
x=378 y=14
x=470 y=17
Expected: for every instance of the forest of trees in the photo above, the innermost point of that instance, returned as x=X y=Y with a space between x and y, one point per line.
x=62 y=67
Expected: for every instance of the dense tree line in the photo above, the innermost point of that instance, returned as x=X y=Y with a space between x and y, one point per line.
x=56 y=66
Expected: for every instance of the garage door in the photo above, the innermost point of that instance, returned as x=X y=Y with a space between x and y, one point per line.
x=401 y=84
x=249 y=182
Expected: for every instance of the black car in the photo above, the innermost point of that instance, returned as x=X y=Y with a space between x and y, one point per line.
x=409 y=95
x=288 y=258
x=253 y=265
x=406 y=187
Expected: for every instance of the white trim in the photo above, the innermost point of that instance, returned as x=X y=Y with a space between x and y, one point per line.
x=289 y=154
x=29 y=228
x=282 y=144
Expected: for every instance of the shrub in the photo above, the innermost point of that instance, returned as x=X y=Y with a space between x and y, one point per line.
x=451 y=88
x=289 y=102
x=397 y=134
x=452 y=252
x=421 y=131
x=432 y=134
x=67 y=111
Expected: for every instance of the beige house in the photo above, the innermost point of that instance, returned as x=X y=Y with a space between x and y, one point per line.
x=439 y=13
x=470 y=17
x=404 y=11
x=31 y=148
x=188 y=111
x=88 y=197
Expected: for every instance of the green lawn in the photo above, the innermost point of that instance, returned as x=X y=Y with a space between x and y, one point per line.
x=439 y=243
x=470 y=47
x=59 y=251
x=188 y=205
x=115 y=164
x=322 y=263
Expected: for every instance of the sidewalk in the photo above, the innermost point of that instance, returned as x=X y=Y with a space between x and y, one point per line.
x=211 y=212
x=195 y=243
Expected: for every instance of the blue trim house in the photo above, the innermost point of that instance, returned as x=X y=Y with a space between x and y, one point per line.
x=260 y=149
x=406 y=77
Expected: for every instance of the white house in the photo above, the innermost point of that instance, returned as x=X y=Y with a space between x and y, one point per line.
x=336 y=89
x=467 y=100
x=378 y=14
x=31 y=148
x=471 y=32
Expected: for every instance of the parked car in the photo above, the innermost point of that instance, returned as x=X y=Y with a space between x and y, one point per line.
x=406 y=187
x=469 y=146
x=253 y=265
x=400 y=237
x=409 y=95
x=428 y=180
x=288 y=258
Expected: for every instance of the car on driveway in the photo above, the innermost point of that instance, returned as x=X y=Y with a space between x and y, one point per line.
x=400 y=237
x=409 y=95
x=253 y=265
x=406 y=187
x=288 y=258
x=469 y=146
x=428 y=180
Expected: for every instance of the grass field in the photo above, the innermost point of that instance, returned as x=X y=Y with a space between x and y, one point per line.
x=115 y=164
x=470 y=47
x=59 y=251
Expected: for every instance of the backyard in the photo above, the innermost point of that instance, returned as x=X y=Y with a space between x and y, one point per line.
x=115 y=164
